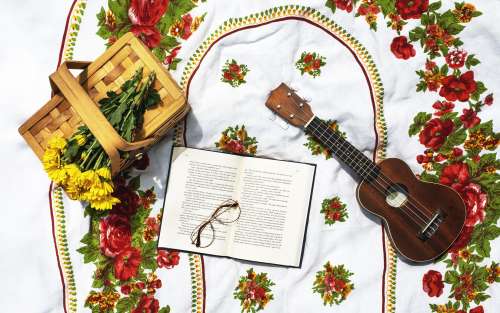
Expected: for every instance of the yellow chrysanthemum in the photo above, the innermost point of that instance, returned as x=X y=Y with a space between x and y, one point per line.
x=105 y=203
x=104 y=172
x=80 y=139
x=56 y=142
x=51 y=159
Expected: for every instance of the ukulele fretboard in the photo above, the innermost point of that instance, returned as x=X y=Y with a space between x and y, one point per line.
x=345 y=151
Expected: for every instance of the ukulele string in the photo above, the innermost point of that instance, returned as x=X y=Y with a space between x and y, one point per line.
x=411 y=200
x=376 y=185
x=382 y=190
x=384 y=178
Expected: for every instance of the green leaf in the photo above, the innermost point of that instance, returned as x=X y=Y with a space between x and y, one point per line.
x=135 y=182
x=471 y=61
x=451 y=277
x=488 y=159
x=444 y=69
x=488 y=180
x=101 y=17
x=455 y=29
x=486 y=128
x=387 y=6
x=434 y=6
x=89 y=254
x=168 y=42
x=446 y=19
x=418 y=122
x=454 y=139
x=429 y=177
x=120 y=10
x=331 y=4
x=103 y=32
x=165 y=309
x=124 y=305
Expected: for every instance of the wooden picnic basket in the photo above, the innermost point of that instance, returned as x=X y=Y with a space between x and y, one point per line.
x=75 y=102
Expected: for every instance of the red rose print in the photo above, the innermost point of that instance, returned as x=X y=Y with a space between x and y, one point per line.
x=457 y=152
x=469 y=118
x=432 y=283
x=435 y=30
x=411 y=8
x=456 y=58
x=423 y=159
x=401 y=48
x=187 y=21
x=489 y=99
x=142 y=163
x=234 y=68
x=127 y=263
x=430 y=65
x=147 y=304
x=435 y=132
x=115 y=235
x=170 y=58
x=259 y=293
x=462 y=240
x=455 y=175
x=140 y=285
x=443 y=107
x=235 y=146
x=308 y=58
x=129 y=201
x=144 y=14
x=153 y=224
x=148 y=34
x=228 y=76
x=345 y=5
x=368 y=9
x=316 y=64
x=167 y=258
x=155 y=284
x=440 y=157
x=475 y=201
x=458 y=88
x=478 y=309
x=125 y=289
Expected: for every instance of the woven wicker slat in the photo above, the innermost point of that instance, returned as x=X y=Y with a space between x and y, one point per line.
x=108 y=72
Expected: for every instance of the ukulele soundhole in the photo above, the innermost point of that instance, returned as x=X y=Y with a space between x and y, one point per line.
x=396 y=195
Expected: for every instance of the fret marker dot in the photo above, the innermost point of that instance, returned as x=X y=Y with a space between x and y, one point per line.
x=301 y=104
x=291 y=115
x=288 y=94
x=278 y=106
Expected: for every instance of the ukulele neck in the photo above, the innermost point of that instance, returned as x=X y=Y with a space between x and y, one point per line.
x=361 y=165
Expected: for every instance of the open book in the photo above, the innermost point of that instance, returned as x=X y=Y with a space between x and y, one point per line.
x=274 y=198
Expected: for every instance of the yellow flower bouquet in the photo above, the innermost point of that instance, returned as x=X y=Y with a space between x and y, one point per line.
x=79 y=164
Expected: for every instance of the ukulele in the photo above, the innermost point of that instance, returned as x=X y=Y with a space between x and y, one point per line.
x=422 y=219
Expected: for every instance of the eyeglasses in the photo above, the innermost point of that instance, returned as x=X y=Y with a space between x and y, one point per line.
x=227 y=212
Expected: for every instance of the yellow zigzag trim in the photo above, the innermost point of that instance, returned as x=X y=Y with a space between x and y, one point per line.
x=366 y=59
x=196 y=269
x=62 y=247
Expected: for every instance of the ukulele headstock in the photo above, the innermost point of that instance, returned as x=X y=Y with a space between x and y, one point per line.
x=288 y=105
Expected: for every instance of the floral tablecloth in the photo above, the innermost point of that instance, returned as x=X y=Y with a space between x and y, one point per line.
x=413 y=79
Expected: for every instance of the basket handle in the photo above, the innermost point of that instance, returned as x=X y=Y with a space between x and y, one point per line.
x=62 y=80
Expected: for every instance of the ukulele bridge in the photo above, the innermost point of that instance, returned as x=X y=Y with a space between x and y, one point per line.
x=432 y=226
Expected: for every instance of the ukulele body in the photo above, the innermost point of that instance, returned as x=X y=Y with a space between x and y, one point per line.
x=403 y=221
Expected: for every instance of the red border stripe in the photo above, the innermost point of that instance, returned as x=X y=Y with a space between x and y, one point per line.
x=61 y=49
x=55 y=246
x=59 y=59
x=371 y=96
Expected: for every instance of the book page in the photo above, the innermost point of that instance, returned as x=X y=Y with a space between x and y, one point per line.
x=199 y=181
x=274 y=199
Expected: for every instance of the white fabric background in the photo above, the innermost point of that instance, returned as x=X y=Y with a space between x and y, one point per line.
x=32 y=31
